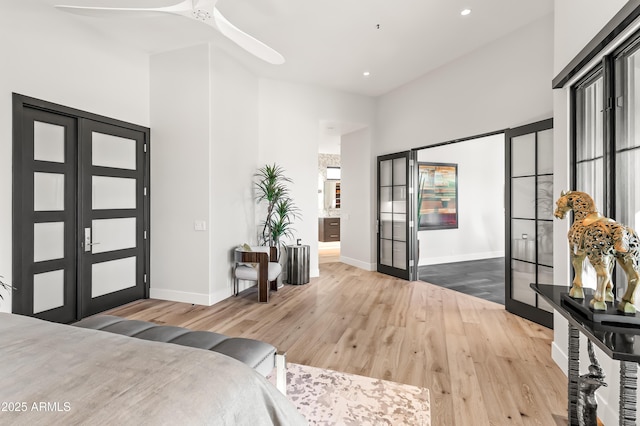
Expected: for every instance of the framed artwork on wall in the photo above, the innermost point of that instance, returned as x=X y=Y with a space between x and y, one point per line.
x=437 y=196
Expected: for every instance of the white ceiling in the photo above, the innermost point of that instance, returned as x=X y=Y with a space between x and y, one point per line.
x=328 y=42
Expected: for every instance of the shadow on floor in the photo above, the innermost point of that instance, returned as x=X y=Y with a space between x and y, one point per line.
x=480 y=278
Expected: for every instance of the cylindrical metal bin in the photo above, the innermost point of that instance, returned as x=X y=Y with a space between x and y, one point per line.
x=298 y=264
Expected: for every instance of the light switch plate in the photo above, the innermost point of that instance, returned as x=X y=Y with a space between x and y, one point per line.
x=200 y=225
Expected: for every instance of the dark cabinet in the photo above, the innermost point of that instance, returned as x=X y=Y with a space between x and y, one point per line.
x=329 y=229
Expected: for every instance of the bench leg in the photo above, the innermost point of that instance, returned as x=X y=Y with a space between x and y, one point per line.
x=281 y=372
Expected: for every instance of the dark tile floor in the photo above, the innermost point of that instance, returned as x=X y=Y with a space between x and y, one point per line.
x=480 y=278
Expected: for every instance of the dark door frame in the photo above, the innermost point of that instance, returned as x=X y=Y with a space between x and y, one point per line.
x=532 y=313
x=416 y=273
x=20 y=298
x=408 y=273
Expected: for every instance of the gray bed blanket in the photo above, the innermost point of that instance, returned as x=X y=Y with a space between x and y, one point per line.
x=54 y=374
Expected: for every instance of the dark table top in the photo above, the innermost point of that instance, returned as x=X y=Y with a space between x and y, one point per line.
x=619 y=340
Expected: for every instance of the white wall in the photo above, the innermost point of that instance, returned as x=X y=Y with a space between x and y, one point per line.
x=213 y=125
x=59 y=62
x=357 y=232
x=480 y=232
x=505 y=84
x=234 y=161
x=180 y=174
x=289 y=121
x=576 y=23
x=204 y=119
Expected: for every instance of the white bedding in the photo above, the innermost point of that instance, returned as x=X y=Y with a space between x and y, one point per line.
x=58 y=374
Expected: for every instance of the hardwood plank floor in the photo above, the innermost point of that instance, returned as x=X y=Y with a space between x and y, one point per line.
x=482 y=278
x=482 y=365
x=328 y=255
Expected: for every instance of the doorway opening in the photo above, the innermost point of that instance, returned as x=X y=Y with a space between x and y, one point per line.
x=461 y=216
x=329 y=199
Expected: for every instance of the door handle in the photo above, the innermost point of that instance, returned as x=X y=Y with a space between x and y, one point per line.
x=87 y=240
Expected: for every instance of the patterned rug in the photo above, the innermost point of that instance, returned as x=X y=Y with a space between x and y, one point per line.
x=327 y=397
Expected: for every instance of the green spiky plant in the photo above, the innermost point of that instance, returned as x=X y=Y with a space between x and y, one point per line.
x=272 y=188
x=4 y=286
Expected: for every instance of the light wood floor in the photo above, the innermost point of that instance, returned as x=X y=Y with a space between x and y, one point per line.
x=482 y=365
x=328 y=255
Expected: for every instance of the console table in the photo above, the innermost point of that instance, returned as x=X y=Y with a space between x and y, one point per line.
x=616 y=341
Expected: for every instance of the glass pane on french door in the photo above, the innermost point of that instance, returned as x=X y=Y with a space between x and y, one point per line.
x=394 y=237
x=529 y=222
x=45 y=174
x=113 y=215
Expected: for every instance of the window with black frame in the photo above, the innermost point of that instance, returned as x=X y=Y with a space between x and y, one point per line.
x=606 y=154
x=589 y=137
x=627 y=134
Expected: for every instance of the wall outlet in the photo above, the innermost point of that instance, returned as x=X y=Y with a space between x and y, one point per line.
x=200 y=225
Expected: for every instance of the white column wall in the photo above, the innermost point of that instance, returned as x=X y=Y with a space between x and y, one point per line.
x=180 y=174
x=358 y=189
x=576 y=23
x=290 y=114
x=59 y=61
x=205 y=147
x=233 y=162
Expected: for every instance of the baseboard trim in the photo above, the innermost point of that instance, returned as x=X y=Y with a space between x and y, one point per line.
x=180 y=296
x=358 y=263
x=459 y=258
x=559 y=357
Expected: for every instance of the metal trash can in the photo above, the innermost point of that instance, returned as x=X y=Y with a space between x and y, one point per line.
x=298 y=264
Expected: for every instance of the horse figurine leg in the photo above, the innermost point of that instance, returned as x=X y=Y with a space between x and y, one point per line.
x=576 y=289
x=626 y=305
x=608 y=295
x=602 y=270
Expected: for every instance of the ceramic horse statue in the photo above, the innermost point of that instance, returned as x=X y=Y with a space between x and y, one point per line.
x=601 y=240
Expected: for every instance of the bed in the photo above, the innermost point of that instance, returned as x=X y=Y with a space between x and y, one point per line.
x=54 y=373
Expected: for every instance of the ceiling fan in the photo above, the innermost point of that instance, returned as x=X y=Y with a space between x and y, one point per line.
x=199 y=10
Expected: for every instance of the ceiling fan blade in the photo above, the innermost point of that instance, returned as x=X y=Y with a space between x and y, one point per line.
x=199 y=10
x=185 y=6
x=244 y=40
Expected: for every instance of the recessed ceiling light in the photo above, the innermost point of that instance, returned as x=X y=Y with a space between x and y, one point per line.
x=465 y=12
x=366 y=74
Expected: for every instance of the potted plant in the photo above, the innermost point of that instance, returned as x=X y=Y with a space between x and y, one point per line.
x=4 y=286
x=272 y=188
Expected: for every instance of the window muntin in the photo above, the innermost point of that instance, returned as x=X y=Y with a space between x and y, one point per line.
x=589 y=138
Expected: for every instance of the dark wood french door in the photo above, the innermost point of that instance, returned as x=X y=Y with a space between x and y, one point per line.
x=396 y=236
x=529 y=219
x=81 y=211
